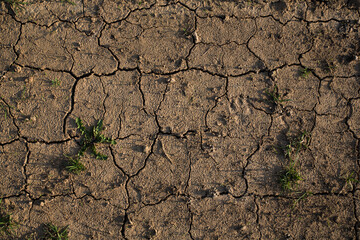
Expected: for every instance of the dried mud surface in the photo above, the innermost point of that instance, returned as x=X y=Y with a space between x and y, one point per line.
x=181 y=86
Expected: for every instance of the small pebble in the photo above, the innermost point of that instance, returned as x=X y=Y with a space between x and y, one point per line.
x=197 y=38
x=29 y=80
x=17 y=68
x=147 y=149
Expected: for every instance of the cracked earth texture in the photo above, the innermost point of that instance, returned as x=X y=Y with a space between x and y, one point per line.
x=180 y=85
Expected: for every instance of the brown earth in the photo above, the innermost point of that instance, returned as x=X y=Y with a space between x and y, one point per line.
x=181 y=85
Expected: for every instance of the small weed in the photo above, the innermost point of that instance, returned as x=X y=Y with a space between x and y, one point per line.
x=275 y=97
x=187 y=32
x=23 y=93
x=289 y=178
x=55 y=233
x=302 y=197
x=7 y=224
x=350 y=180
x=296 y=144
x=5 y=110
x=305 y=72
x=74 y=165
x=90 y=138
x=55 y=82
x=15 y=4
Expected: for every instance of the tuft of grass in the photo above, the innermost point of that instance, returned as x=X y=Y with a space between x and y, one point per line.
x=350 y=180
x=92 y=137
x=55 y=83
x=290 y=178
x=305 y=72
x=302 y=197
x=55 y=233
x=24 y=93
x=15 y=5
x=74 y=165
x=187 y=31
x=5 y=110
x=274 y=97
x=296 y=144
x=7 y=224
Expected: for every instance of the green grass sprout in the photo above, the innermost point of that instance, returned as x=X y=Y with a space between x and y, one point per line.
x=7 y=224
x=74 y=165
x=55 y=82
x=274 y=97
x=91 y=138
x=55 y=233
x=290 y=176
x=305 y=72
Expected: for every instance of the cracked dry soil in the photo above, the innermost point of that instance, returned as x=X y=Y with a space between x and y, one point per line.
x=180 y=85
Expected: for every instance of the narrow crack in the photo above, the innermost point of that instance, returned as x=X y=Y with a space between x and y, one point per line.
x=24 y=168
x=244 y=170
x=120 y=123
x=142 y=94
x=30 y=210
x=194 y=42
x=123 y=227
x=347 y=118
x=159 y=201
x=9 y=110
x=30 y=140
x=257 y=212
x=131 y=11
x=117 y=165
x=158 y=108
x=16 y=43
x=190 y=220
x=106 y=96
x=147 y=157
x=189 y=175
x=73 y=99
